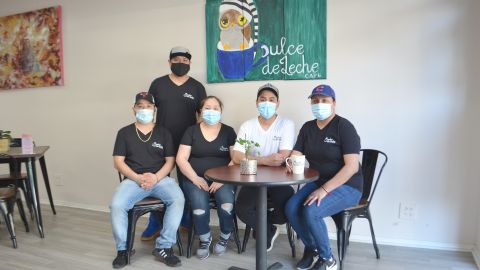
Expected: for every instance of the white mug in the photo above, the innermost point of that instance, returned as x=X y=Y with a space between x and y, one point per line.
x=296 y=163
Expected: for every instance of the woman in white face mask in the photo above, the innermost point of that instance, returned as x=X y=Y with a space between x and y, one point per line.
x=206 y=145
x=331 y=145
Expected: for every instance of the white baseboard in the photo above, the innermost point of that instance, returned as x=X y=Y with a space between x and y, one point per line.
x=476 y=255
x=332 y=235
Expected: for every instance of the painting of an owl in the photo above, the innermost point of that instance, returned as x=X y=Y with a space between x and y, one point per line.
x=235 y=30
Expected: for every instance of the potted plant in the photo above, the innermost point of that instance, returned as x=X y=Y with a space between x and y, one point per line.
x=247 y=165
x=5 y=139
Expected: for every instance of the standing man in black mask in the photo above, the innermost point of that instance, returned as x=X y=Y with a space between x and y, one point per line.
x=177 y=98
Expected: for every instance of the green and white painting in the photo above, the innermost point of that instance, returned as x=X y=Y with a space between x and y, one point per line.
x=251 y=40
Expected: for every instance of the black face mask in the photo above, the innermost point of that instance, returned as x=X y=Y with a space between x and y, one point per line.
x=180 y=69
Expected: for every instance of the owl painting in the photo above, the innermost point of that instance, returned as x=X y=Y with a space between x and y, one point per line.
x=235 y=22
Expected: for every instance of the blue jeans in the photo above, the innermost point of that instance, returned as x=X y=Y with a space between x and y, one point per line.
x=308 y=221
x=129 y=192
x=199 y=198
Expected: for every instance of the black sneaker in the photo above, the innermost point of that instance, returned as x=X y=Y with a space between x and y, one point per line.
x=271 y=236
x=308 y=260
x=330 y=264
x=167 y=256
x=121 y=259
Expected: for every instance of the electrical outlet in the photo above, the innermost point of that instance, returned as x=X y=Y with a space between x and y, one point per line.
x=58 y=179
x=407 y=211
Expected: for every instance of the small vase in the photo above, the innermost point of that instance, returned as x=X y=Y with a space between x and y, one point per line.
x=4 y=145
x=248 y=166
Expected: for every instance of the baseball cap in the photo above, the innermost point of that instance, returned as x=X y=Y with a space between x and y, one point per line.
x=180 y=51
x=323 y=90
x=269 y=87
x=145 y=96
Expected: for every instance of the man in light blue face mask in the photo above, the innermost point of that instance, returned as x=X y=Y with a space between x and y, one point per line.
x=144 y=153
x=276 y=136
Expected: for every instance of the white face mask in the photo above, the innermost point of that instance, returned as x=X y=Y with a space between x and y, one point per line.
x=322 y=111
x=144 y=116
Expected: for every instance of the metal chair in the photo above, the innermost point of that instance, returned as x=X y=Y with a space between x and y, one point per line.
x=147 y=205
x=213 y=205
x=8 y=197
x=343 y=220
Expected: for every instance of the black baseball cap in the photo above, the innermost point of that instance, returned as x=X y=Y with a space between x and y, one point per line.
x=145 y=96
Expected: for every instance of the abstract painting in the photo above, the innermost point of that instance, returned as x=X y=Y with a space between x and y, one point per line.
x=31 y=49
x=251 y=40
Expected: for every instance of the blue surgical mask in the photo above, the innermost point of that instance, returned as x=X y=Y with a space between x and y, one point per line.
x=144 y=116
x=322 y=111
x=211 y=117
x=267 y=109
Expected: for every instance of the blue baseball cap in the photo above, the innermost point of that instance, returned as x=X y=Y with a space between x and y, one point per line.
x=323 y=90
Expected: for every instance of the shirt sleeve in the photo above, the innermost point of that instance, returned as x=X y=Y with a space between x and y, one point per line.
x=187 y=138
x=120 y=148
x=349 y=138
x=288 y=136
x=169 y=149
x=241 y=134
x=301 y=139
x=232 y=136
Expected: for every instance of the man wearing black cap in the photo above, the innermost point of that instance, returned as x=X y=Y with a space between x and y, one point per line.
x=276 y=136
x=144 y=154
x=177 y=97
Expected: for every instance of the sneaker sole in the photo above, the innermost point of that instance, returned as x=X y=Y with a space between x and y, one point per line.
x=151 y=237
x=203 y=258
x=273 y=239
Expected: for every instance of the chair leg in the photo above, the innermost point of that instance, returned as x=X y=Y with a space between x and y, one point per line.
x=7 y=209
x=190 y=238
x=375 y=246
x=245 y=237
x=132 y=221
x=291 y=238
x=179 y=243
x=28 y=200
x=235 y=234
x=21 y=210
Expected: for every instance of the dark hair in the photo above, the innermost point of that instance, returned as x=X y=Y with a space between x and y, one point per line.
x=267 y=89
x=202 y=103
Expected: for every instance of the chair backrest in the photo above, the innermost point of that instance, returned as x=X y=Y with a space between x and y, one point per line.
x=370 y=160
x=120 y=177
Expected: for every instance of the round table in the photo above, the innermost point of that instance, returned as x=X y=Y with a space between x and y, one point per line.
x=266 y=176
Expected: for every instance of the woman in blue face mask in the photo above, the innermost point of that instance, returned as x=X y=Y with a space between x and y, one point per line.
x=331 y=145
x=206 y=145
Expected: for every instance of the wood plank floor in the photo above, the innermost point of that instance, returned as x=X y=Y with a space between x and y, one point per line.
x=81 y=239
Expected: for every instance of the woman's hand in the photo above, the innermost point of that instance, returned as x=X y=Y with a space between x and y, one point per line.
x=316 y=196
x=214 y=187
x=200 y=183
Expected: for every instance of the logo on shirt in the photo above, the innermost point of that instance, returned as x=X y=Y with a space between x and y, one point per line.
x=157 y=145
x=187 y=95
x=223 y=149
x=329 y=140
x=277 y=138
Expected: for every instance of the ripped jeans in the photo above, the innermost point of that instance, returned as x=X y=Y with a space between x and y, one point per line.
x=199 y=202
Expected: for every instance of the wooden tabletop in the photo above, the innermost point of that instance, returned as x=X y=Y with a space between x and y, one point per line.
x=16 y=152
x=266 y=176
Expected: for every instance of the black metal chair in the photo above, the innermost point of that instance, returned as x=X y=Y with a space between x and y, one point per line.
x=343 y=220
x=290 y=235
x=213 y=205
x=8 y=197
x=148 y=205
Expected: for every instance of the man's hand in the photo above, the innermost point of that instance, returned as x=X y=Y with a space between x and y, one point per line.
x=148 y=180
x=274 y=159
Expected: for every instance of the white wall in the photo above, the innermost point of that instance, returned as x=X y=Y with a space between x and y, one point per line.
x=404 y=72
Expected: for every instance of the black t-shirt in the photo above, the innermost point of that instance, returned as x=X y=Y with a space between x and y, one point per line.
x=204 y=154
x=177 y=105
x=140 y=156
x=324 y=148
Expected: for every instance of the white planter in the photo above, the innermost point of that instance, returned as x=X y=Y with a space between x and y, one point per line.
x=248 y=166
